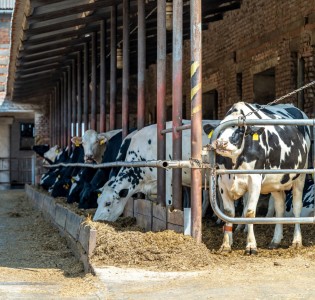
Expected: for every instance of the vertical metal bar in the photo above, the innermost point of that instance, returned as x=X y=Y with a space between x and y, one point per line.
x=113 y=65
x=93 y=81
x=62 y=111
x=69 y=106
x=74 y=99
x=65 y=115
x=161 y=92
x=196 y=114
x=141 y=63
x=103 y=76
x=58 y=109
x=177 y=82
x=86 y=88
x=51 y=116
x=125 y=83
x=79 y=92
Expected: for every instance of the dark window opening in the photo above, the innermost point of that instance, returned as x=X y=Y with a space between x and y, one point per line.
x=264 y=86
x=26 y=136
x=210 y=105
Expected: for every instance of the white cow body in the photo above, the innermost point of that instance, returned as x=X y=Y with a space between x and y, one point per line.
x=129 y=181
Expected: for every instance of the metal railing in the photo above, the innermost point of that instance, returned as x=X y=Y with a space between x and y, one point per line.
x=214 y=172
x=16 y=170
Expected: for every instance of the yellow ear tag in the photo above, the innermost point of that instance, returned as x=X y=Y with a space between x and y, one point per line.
x=77 y=144
x=210 y=134
x=57 y=151
x=102 y=142
x=72 y=180
x=255 y=137
x=99 y=195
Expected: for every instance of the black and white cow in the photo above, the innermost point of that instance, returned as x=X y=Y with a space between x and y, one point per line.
x=41 y=149
x=63 y=182
x=256 y=147
x=89 y=193
x=129 y=181
x=54 y=155
x=95 y=146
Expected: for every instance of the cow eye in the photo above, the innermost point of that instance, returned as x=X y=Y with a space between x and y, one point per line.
x=233 y=126
x=107 y=204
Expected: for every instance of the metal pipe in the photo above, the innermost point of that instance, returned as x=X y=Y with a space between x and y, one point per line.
x=125 y=76
x=58 y=109
x=65 y=111
x=266 y=171
x=51 y=117
x=93 y=81
x=86 y=88
x=137 y=164
x=74 y=100
x=69 y=102
x=103 y=76
x=113 y=70
x=256 y=220
x=177 y=101
x=141 y=64
x=161 y=92
x=79 y=93
x=196 y=115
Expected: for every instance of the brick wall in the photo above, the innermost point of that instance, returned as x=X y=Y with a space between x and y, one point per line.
x=259 y=36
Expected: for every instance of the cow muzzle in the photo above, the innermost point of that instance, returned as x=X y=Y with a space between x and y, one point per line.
x=220 y=145
x=89 y=158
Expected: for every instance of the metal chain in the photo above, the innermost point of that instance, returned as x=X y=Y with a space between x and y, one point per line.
x=283 y=97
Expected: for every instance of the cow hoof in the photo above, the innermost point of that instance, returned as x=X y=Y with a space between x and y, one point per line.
x=273 y=245
x=251 y=251
x=225 y=250
x=296 y=245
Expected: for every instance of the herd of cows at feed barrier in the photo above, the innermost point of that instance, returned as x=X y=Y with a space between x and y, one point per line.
x=245 y=148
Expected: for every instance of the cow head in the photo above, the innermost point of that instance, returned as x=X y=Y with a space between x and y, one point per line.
x=110 y=204
x=230 y=142
x=52 y=153
x=94 y=145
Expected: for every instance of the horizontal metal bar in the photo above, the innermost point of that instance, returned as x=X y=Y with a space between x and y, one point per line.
x=261 y=122
x=136 y=164
x=178 y=128
x=266 y=171
x=259 y=220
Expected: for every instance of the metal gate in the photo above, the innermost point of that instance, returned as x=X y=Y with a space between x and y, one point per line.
x=16 y=171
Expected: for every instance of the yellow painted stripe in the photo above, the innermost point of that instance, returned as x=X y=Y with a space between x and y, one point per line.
x=195 y=90
x=196 y=109
x=194 y=68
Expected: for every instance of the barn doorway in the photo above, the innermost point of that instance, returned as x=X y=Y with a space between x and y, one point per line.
x=210 y=105
x=264 y=86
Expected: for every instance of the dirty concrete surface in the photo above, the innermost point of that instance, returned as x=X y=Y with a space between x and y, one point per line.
x=35 y=262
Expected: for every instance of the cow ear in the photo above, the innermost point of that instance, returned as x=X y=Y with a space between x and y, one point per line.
x=77 y=141
x=208 y=129
x=102 y=140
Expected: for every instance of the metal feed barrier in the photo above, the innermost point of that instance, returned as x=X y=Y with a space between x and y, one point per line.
x=214 y=171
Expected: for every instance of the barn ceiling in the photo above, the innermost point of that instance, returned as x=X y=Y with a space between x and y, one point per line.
x=47 y=35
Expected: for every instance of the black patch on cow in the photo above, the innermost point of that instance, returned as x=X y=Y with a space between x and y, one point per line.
x=237 y=137
x=123 y=193
x=149 y=142
x=221 y=191
x=285 y=178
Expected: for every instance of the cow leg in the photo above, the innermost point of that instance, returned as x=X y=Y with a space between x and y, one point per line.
x=297 y=192
x=279 y=204
x=229 y=210
x=244 y=227
x=254 y=187
x=271 y=207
